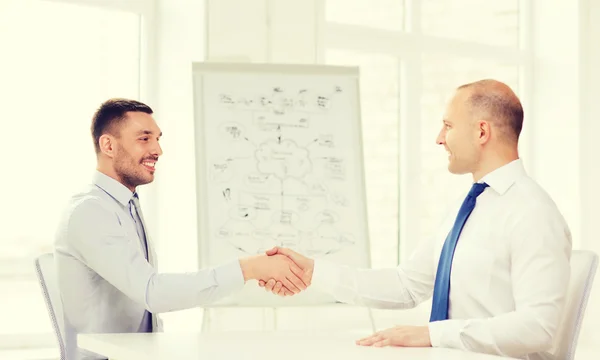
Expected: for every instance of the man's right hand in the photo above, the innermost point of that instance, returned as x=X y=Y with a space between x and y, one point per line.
x=278 y=267
x=306 y=264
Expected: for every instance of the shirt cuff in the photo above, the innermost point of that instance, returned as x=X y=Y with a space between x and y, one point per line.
x=446 y=333
x=229 y=277
x=325 y=275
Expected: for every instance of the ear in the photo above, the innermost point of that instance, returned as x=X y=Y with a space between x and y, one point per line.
x=484 y=131
x=107 y=143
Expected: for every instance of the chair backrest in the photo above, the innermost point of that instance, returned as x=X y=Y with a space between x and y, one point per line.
x=46 y=274
x=583 y=269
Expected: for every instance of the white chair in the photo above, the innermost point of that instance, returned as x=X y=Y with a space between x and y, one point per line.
x=46 y=274
x=583 y=269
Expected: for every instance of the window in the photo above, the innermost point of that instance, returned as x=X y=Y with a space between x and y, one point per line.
x=379 y=75
x=60 y=62
x=439 y=52
x=386 y=14
x=489 y=22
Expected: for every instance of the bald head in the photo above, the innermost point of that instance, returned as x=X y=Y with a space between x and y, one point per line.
x=495 y=102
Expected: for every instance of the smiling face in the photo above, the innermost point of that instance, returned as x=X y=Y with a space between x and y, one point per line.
x=459 y=135
x=134 y=149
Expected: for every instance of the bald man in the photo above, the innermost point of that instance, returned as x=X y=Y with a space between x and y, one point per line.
x=498 y=269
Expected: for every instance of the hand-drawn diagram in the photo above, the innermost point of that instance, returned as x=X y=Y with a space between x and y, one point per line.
x=283 y=179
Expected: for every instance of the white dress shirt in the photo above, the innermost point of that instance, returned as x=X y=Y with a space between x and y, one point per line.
x=509 y=276
x=106 y=283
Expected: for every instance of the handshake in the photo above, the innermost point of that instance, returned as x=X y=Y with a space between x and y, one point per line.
x=284 y=272
x=281 y=271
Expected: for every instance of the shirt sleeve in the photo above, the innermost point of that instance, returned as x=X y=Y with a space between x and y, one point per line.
x=397 y=288
x=540 y=271
x=98 y=240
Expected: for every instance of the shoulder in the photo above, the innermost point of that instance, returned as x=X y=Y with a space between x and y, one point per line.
x=84 y=200
x=89 y=210
x=532 y=201
x=79 y=213
x=536 y=215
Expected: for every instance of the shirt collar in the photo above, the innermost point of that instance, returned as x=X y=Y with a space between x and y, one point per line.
x=112 y=187
x=505 y=176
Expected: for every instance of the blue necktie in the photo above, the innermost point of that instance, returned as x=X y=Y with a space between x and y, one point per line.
x=441 y=290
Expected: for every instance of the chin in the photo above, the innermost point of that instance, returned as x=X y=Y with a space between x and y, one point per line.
x=148 y=180
x=454 y=170
x=143 y=180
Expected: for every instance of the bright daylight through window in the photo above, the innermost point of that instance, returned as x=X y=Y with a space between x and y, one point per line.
x=59 y=62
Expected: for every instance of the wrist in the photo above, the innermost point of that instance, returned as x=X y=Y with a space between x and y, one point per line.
x=308 y=272
x=426 y=336
x=248 y=268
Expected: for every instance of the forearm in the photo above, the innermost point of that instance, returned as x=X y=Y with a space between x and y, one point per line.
x=512 y=334
x=171 y=292
x=129 y=272
x=376 y=288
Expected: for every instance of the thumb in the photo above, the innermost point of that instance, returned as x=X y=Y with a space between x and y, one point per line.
x=290 y=254
x=272 y=251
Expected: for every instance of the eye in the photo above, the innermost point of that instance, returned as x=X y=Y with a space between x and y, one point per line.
x=144 y=138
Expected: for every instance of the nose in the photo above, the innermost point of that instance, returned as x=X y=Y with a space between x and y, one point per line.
x=440 y=140
x=157 y=150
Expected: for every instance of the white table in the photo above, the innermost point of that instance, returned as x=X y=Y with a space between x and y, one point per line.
x=311 y=345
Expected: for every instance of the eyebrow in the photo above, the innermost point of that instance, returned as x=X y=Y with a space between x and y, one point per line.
x=147 y=132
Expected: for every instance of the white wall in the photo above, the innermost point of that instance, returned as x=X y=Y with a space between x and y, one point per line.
x=281 y=31
x=554 y=118
x=590 y=152
x=567 y=118
x=179 y=41
x=590 y=129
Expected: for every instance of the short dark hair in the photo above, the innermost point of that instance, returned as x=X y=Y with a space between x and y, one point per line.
x=502 y=106
x=110 y=114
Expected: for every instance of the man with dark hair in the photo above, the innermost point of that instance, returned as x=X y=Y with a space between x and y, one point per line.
x=105 y=260
x=499 y=268
x=108 y=117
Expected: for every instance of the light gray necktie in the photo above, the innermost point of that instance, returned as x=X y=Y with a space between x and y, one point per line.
x=150 y=321
x=136 y=213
